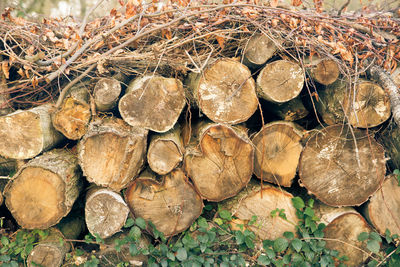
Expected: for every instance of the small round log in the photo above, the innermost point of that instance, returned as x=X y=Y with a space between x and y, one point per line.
x=24 y=134
x=323 y=70
x=172 y=205
x=342 y=166
x=260 y=201
x=342 y=235
x=383 y=208
x=220 y=161
x=225 y=91
x=73 y=116
x=106 y=93
x=112 y=153
x=165 y=151
x=105 y=212
x=280 y=81
x=366 y=106
x=43 y=191
x=277 y=152
x=258 y=50
x=153 y=102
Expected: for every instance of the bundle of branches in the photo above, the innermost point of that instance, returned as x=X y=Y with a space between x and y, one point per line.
x=39 y=58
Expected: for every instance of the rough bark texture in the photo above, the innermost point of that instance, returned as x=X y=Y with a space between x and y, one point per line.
x=106 y=93
x=367 y=105
x=26 y=133
x=280 y=81
x=172 y=204
x=50 y=252
x=153 y=102
x=44 y=190
x=7 y=166
x=277 y=152
x=323 y=70
x=105 y=212
x=342 y=235
x=390 y=139
x=112 y=153
x=4 y=95
x=327 y=213
x=72 y=226
x=383 y=209
x=220 y=161
x=258 y=50
x=342 y=166
x=165 y=151
x=3 y=182
x=73 y=116
x=225 y=91
x=260 y=201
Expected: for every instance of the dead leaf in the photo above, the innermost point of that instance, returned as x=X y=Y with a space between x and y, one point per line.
x=273 y=3
x=6 y=69
x=166 y=33
x=221 y=41
x=35 y=82
x=21 y=72
x=297 y=2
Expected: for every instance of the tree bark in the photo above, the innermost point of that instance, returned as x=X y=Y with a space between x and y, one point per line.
x=280 y=81
x=153 y=102
x=342 y=166
x=24 y=134
x=390 y=139
x=7 y=166
x=342 y=235
x=165 y=151
x=260 y=201
x=258 y=50
x=5 y=107
x=112 y=153
x=365 y=106
x=383 y=208
x=323 y=70
x=106 y=93
x=105 y=212
x=3 y=182
x=277 y=152
x=43 y=191
x=224 y=91
x=172 y=204
x=219 y=161
x=73 y=116
x=291 y=110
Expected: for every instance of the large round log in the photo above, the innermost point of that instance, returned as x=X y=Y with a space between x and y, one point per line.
x=277 y=152
x=105 y=212
x=342 y=166
x=153 y=102
x=24 y=134
x=106 y=93
x=220 y=161
x=165 y=151
x=225 y=91
x=365 y=106
x=43 y=191
x=171 y=204
x=73 y=116
x=280 y=81
x=383 y=209
x=255 y=200
x=112 y=153
x=258 y=50
x=342 y=235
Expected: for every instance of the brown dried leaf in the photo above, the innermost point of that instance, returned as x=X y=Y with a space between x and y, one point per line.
x=6 y=69
x=297 y=2
x=21 y=72
x=221 y=41
x=35 y=82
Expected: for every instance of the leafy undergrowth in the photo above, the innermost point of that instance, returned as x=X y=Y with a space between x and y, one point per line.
x=210 y=242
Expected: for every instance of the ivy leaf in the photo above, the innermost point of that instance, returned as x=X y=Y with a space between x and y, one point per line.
x=239 y=237
x=181 y=254
x=263 y=260
x=298 y=203
x=280 y=244
x=373 y=246
x=141 y=223
x=297 y=244
x=363 y=236
x=5 y=241
x=224 y=214
x=288 y=235
x=375 y=236
x=202 y=222
x=129 y=222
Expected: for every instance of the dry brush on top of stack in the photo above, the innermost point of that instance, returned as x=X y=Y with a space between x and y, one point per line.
x=129 y=92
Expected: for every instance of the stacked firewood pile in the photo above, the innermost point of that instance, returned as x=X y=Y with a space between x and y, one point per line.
x=152 y=112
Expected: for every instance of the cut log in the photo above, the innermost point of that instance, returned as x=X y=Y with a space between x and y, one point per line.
x=390 y=139
x=292 y=110
x=225 y=91
x=73 y=116
x=383 y=209
x=49 y=252
x=172 y=205
x=105 y=212
x=323 y=70
x=342 y=235
x=258 y=50
x=327 y=213
x=342 y=166
x=165 y=151
x=220 y=161
x=260 y=201
x=24 y=134
x=43 y=191
x=153 y=102
x=280 y=81
x=112 y=153
x=72 y=226
x=106 y=93
x=277 y=152
x=365 y=106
